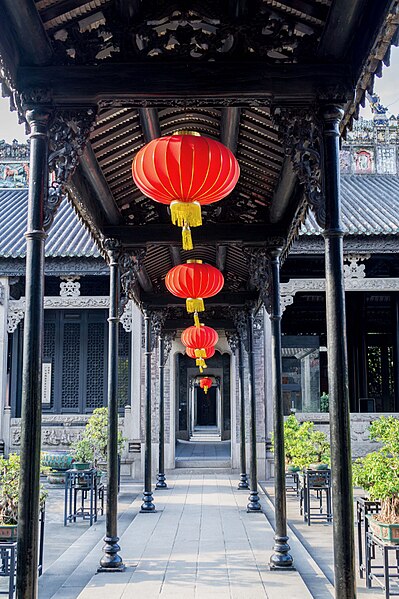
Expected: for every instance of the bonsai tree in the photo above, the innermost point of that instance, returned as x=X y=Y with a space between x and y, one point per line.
x=324 y=402
x=291 y=427
x=10 y=470
x=95 y=435
x=378 y=472
x=311 y=446
x=82 y=451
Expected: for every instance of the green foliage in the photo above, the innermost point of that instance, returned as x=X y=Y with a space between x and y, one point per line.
x=304 y=444
x=324 y=402
x=94 y=441
x=378 y=472
x=82 y=450
x=10 y=470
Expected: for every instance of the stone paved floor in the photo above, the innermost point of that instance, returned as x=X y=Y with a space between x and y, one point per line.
x=188 y=450
x=200 y=544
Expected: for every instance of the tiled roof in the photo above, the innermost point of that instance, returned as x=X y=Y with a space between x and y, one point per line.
x=67 y=237
x=370 y=206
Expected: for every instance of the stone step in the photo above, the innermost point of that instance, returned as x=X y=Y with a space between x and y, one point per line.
x=205 y=439
x=202 y=464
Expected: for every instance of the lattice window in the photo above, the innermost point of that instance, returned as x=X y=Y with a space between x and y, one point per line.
x=95 y=365
x=49 y=353
x=123 y=368
x=70 y=366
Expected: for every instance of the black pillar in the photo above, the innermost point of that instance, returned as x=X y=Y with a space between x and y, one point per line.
x=29 y=485
x=395 y=300
x=243 y=484
x=341 y=463
x=161 y=484
x=253 y=499
x=148 y=504
x=111 y=560
x=281 y=557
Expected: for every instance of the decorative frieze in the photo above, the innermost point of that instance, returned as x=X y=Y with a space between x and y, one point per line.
x=70 y=287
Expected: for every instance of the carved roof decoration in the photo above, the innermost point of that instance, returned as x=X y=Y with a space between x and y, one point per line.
x=94 y=32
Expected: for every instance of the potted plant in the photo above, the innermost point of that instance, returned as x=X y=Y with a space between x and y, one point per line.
x=9 y=495
x=378 y=474
x=82 y=453
x=96 y=435
x=291 y=428
x=56 y=464
x=311 y=448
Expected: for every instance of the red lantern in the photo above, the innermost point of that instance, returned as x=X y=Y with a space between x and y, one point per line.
x=194 y=281
x=205 y=384
x=185 y=171
x=199 y=337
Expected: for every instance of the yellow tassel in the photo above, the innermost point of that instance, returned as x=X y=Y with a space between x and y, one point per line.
x=200 y=353
x=199 y=362
x=195 y=305
x=196 y=320
x=206 y=390
x=201 y=369
x=187 y=241
x=186 y=214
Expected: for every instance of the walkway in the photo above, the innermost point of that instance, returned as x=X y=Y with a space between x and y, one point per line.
x=202 y=544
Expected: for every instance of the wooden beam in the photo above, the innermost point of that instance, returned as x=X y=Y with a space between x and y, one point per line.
x=149 y=122
x=99 y=185
x=230 y=127
x=139 y=235
x=221 y=253
x=144 y=280
x=219 y=324
x=235 y=299
x=175 y=255
x=65 y=6
x=26 y=24
x=283 y=193
x=207 y=84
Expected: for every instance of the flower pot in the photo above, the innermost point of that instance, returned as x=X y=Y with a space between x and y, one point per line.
x=385 y=532
x=81 y=465
x=292 y=468
x=8 y=533
x=57 y=461
x=318 y=466
x=56 y=478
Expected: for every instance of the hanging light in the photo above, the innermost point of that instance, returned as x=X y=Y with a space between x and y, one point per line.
x=205 y=384
x=194 y=281
x=185 y=170
x=199 y=339
x=200 y=362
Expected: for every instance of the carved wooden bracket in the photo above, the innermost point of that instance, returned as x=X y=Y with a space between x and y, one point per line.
x=232 y=340
x=129 y=264
x=301 y=134
x=168 y=339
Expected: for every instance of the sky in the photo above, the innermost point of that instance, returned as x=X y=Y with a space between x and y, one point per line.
x=387 y=87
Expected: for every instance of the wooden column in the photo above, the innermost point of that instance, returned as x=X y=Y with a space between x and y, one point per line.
x=341 y=462
x=253 y=500
x=29 y=486
x=148 y=503
x=243 y=483
x=111 y=560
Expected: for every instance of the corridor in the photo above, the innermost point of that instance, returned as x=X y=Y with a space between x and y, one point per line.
x=202 y=544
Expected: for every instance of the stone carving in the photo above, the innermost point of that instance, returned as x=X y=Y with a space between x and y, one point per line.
x=70 y=287
x=201 y=31
x=232 y=340
x=168 y=341
x=240 y=319
x=126 y=319
x=14 y=151
x=185 y=102
x=14 y=317
x=258 y=261
x=300 y=133
x=157 y=320
x=69 y=133
x=354 y=270
x=129 y=264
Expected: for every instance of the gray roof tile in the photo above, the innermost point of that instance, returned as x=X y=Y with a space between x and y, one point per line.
x=370 y=206
x=67 y=237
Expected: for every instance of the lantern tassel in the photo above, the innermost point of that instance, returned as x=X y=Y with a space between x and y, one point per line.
x=196 y=320
x=200 y=353
x=205 y=389
x=200 y=362
x=195 y=304
x=187 y=240
x=201 y=369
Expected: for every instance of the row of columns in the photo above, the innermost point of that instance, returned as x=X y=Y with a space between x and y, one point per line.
x=26 y=583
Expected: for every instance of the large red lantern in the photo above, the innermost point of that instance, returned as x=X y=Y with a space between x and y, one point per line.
x=195 y=282
x=199 y=337
x=205 y=384
x=185 y=171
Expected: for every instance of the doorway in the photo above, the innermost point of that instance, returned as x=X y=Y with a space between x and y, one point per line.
x=206 y=407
